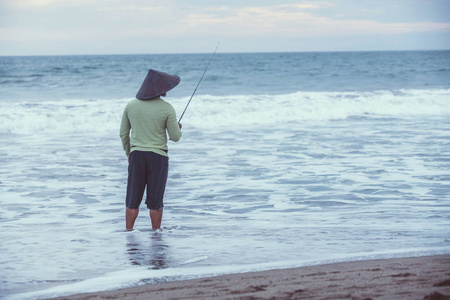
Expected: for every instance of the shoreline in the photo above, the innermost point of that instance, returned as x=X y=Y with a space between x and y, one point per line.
x=423 y=277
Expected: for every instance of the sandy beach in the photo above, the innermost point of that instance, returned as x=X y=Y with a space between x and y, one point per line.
x=399 y=278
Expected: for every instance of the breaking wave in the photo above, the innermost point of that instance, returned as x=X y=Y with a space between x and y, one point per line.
x=208 y=111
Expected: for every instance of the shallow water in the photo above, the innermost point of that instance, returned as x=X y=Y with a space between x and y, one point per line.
x=237 y=200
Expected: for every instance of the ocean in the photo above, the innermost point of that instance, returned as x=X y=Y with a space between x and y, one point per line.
x=286 y=160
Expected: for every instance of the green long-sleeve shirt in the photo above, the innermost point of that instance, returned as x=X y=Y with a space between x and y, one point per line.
x=148 y=121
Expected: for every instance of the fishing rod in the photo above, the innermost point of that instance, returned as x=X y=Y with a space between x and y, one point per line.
x=198 y=83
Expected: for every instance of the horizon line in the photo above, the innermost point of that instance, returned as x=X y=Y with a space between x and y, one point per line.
x=237 y=52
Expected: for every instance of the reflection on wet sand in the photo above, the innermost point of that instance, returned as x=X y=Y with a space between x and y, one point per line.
x=147 y=250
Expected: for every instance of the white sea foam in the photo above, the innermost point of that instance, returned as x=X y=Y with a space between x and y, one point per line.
x=208 y=111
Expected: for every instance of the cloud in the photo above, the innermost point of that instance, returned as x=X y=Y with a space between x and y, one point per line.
x=43 y=3
x=292 y=21
x=26 y=25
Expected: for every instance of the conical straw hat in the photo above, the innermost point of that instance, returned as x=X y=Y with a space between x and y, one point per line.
x=156 y=83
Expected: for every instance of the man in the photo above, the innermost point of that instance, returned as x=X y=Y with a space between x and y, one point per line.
x=148 y=117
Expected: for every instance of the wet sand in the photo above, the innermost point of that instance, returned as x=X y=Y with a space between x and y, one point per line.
x=399 y=278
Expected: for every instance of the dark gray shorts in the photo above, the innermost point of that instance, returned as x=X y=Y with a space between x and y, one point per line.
x=146 y=169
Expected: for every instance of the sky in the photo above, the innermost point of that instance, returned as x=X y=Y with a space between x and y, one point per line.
x=75 y=27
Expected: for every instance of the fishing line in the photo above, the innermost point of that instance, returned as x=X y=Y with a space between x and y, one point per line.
x=198 y=83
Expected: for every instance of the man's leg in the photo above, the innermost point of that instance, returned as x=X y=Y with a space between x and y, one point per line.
x=158 y=166
x=130 y=217
x=156 y=217
x=135 y=187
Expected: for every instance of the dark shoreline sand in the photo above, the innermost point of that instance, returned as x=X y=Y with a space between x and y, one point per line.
x=426 y=277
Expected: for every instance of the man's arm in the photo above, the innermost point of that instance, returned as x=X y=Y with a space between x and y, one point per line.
x=173 y=128
x=125 y=128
